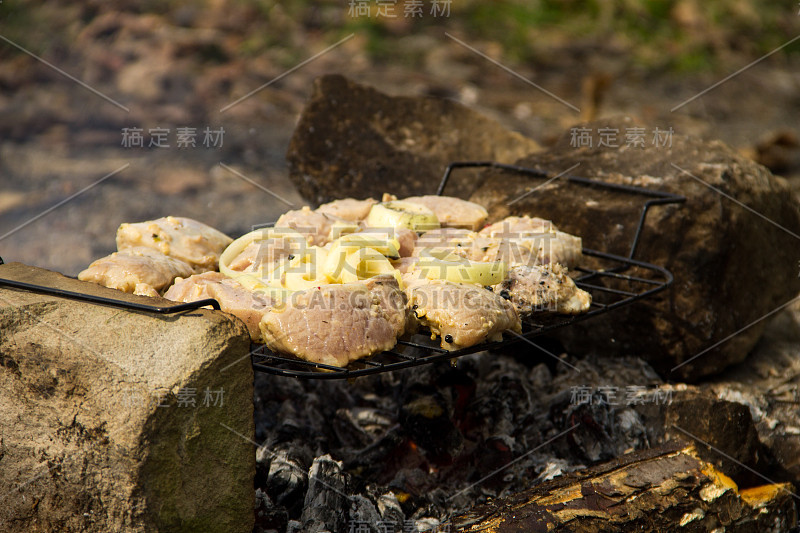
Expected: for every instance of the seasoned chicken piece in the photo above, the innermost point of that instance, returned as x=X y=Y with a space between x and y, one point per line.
x=543 y=288
x=453 y=212
x=348 y=209
x=336 y=324
x=247 y=305
x=182 y=238
x=461 y=314
x=139 y=269
x=316 y=226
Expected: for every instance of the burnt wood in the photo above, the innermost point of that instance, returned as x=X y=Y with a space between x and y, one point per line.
x=647 y=491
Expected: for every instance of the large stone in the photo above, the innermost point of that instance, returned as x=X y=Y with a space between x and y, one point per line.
x=731 y=266
x=354 y=141
x=768 y=383
x=113 y=420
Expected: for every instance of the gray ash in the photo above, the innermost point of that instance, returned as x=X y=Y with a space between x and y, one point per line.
x=408 y=449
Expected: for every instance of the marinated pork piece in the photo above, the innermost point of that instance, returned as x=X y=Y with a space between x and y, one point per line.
x=182 y=238
x=461 y=314
x=143 y=289
x=336 y=324
x=348 y=209
x=316 y=226
x=140 y=269
x=453 y=212
x=523 y=248
x=526 y=241
x=517 y=227
x=247 y=305
x=543 y=288
x=541 y=249
x=261 y=253
x=562 y=248
x=247 y=258
x=442 y=240
x=405 y=264
x=407 y=239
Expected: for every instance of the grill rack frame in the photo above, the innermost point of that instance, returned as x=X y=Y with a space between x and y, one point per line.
x=263 y=360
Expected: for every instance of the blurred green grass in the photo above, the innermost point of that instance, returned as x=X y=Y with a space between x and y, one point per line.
x=672 y=35
x=659 y=35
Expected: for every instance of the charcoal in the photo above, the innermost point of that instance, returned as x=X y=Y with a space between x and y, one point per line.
x=540 y=376
x=363 y=516
x=501 y=409
x=504 y=397
x=390 y=510
x=594 y=438
x=426 y=524
x=554 y=468
x=269 y=517
x=409 y=482
x=374 y=421
x=426 y=417
x=461 y=388
x=348 y=431
x=360 y=427
x=286 y=480
x=290 y=430
x=631 y=430
x=324 y=508
x=370 y=460
x=496 y=452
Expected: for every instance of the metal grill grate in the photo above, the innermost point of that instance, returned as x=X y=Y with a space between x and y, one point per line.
x=615 y=282
x=623 y=290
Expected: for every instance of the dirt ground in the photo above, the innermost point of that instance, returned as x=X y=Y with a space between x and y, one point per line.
x=105 y=69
